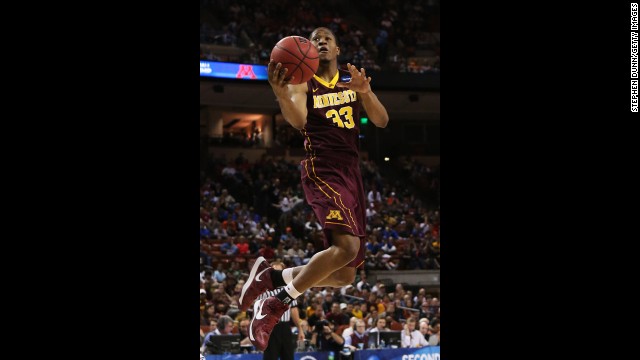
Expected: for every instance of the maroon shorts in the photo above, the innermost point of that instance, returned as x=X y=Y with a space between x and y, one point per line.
x=336 y=195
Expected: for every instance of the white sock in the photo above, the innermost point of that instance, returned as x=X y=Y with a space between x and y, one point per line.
x=287 y=275
x=292 y=291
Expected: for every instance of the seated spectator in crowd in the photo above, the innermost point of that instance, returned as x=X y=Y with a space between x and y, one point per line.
x=380 y=289
x=420 y=297
x=434 y=339
x=394 y=312
x=203 y=301
x=373 y=245
x=223 y=327
x=410 y=337
x=370 y=319
x=388 y=263
x=253 y=246
x=363 y=283
x=209 y=314
x=318 y=315
x=349 y=330
x=243 y=246
x=312 y=225
x=295 y=254
x=308 y=253
x=337 y=316
x=389 y=233
x=207 y=279
x=359 y=340
x=204 y=230
x=328 y=303
x=229 y=247
x=356 y=311
x=424 y=328
x=371 y=262
x=364 y=310
x=374 y=196
x=327 y=339
x=393 y=324
x=243 y=329
x=266 y=251
x=219 y=275
x=371 y=211
x=288 y=239
x=280 y=252
x=388 y=247
x=348 y=310
x=381 y=325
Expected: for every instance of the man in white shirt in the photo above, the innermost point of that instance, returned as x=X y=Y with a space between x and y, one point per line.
x=348 y=331
x=411 y=337
x=381 y=325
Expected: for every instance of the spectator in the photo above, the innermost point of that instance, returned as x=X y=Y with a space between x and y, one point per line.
x=381 y=325
x=326 y=339
x=411 y=337
x=243 y=246
x=359 y=340
x=229 y=247
x=219 y=275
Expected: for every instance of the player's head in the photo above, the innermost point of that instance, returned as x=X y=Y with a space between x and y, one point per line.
x=326 y=43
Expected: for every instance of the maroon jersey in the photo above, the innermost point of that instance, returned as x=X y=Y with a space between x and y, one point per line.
x=330 y=172
x=332 y=130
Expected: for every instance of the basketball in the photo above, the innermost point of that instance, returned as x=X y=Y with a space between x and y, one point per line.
x=297 y=54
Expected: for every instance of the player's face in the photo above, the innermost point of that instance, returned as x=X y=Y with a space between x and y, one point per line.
x=325 y=42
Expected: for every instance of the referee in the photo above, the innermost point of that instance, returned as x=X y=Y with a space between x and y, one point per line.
x=281 y=342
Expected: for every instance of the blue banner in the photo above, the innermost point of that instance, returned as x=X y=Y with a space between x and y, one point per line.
x=233 y=70
x=423 y=353
x=316 y=355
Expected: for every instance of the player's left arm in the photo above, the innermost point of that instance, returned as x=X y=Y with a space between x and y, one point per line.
x=361 y=84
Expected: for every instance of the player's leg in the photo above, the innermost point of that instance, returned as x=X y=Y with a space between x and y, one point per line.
x=341 y=277
x=267 y=312
x=323 y=264
x=262 y=277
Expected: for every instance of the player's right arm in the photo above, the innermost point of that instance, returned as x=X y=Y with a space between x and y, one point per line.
x=292 y=98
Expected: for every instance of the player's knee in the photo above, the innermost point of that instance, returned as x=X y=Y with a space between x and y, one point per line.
x=354 y=247
x=347 y=244
x=350 y=250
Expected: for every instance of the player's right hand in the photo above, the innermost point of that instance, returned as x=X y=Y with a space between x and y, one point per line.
x=277 y=78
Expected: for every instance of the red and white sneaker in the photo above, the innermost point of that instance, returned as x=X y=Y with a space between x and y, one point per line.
x=266 y=314
x=258 y=282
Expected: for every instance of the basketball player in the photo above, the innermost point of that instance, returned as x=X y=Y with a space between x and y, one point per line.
x=325 y=110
